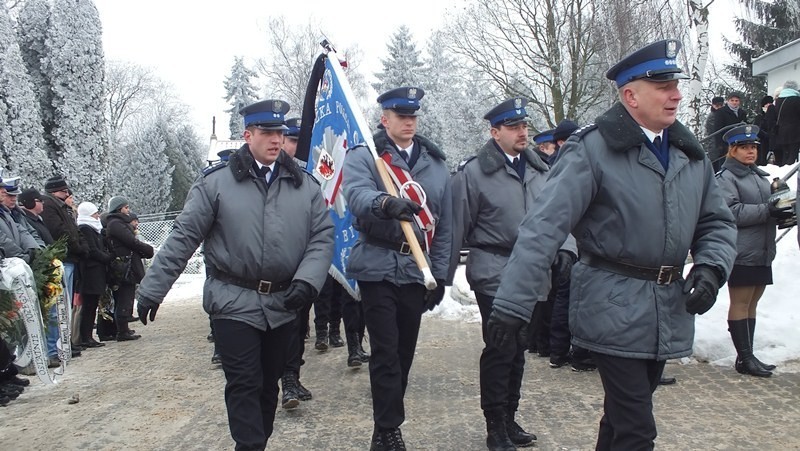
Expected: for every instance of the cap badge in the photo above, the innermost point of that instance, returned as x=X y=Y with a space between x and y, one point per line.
x=276 y=106
x=412 y=93
x=517 y=103
x=672 y=49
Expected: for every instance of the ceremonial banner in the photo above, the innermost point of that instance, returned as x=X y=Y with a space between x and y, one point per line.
x=337 y=127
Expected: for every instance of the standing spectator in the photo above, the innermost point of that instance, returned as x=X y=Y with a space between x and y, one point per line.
x=747 y=192
x=766 y=119
x=93 y=269
x=30 y=201
x=730 y=114
x=787 y=139
x=618 y=188
x=122 y=243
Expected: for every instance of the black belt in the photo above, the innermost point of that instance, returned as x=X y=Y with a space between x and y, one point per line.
x=261 y=286
x=497 y=250
x=403 y=247
x=662 y=276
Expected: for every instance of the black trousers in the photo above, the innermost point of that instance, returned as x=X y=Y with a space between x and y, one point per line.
x=123 y=306
x=253 y=361
x=539 y=329
x=88 y=315
x=628 y=422
x=296 y=346
x=500 y=372
x=353 y=315
x=393 y=314
x=328 y=306
x=559 y=321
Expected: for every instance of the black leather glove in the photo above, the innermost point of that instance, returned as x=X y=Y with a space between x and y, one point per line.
x=504 y=332
x=400 y=208
x=779 y=212
x=146 y=307
x=703 y=282
x=435 y=296
x=562 y=266
x=299 y=294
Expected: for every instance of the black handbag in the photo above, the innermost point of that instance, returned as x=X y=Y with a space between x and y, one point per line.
x=119 y=270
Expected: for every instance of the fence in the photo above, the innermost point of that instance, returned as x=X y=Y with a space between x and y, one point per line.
x=156 y=232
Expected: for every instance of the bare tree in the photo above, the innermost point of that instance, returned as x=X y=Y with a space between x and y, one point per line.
x=130 y=89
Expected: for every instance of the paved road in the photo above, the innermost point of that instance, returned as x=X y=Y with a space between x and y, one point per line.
x=161 y=392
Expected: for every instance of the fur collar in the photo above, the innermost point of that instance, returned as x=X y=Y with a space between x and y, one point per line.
x=382 y=140
x=491 y=160
x=622 y=133
x=241 y=164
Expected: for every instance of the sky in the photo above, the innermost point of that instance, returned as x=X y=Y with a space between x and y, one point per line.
x=192 y=45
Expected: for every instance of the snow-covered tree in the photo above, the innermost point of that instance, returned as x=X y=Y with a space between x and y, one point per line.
x=21 y=144
x=403 y=65
x=239 y=92
x=74 y=64
x=130 y=90
x=32 y=28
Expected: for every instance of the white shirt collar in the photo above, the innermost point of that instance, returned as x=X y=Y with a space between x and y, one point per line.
x=651 y=135
x=409 y=150
x=271 y=169
x=510 y=157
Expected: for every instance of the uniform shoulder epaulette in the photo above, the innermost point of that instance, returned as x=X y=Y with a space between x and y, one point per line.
x=720 y=172
x=464 y=162
x=581 y=132
x=214 y=167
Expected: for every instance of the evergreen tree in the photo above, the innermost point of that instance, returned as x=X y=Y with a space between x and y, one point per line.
x=239 y=91
x=32 y=28
x=74 y=64
x=775 y=23
x=403 y=66
x=21 y=145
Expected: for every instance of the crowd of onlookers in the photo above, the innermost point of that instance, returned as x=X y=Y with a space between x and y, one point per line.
x=101 y=268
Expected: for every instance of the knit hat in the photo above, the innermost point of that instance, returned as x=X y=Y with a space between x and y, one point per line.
x=116 y=202
x=564 y=129
x=28 y=198
x=87 y=209
x=55 y=183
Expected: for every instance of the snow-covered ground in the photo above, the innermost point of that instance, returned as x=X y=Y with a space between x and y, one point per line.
x=777 y=337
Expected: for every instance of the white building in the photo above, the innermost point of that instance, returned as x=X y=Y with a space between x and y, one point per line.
x=216 y=145
x=779 y=65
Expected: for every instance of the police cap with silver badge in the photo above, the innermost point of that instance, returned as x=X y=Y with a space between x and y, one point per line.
x=11 y=185
x=656 y=62
x=743 y=134
x=265 y=114
x=509 y=112
x=544 y=137
x=403 y=101
x=293 y=127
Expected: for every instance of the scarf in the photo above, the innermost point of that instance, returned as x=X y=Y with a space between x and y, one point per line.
x=90 y=221
x=789 y=92
x=735 y=110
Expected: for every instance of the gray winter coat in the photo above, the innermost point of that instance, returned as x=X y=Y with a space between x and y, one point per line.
x=489 y=202
x=15 y=240
x=747 y=192
x=279 y=233
x=364 y=190
x=611 y=191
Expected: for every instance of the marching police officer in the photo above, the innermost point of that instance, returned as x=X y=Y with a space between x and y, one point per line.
x=391 y=284
x=638 y=193
x=491 y=194
x=268 y=245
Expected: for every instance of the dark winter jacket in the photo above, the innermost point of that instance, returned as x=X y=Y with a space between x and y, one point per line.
x=37 y=224
x=747 y=192
x=94 y=267
x=123 y=242
x=788 y=136
x=60 y=221
x=723 y=118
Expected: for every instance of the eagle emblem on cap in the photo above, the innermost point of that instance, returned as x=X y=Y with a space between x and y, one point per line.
x=412 y=93
x=276 y=106
x=672 y=49
x=517 y=103
x=748 y=130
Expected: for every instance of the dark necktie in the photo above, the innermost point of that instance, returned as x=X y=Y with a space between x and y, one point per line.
x=657 y=142
x=515 y=163
x=404 y=154
x=262 y=171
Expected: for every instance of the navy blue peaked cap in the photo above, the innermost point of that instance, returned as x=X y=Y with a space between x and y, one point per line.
x=509 y=112
x=544 y=137
x=403 y=101
x=224 y=155
x=743 y=134
x=564 y=129
x=655 y=62
x=265 y=114
x=293 y=127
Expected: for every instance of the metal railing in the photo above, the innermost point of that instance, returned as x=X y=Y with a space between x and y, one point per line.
x=156 y=232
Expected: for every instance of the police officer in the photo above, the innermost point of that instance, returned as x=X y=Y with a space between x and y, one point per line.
x=491 y=194
x=268 y=245
x=391 y=284
x=545 y=146
x=638 y=194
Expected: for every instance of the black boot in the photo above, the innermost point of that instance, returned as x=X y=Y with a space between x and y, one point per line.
x=751 y=323
x=303 y=393
x=387 y=440
x=745 y=363
x=322 y=340
x=517 y=435
x=353 y=357
x=290 y=398
x=361 y=352
x=497 y=438
x=334 y=337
